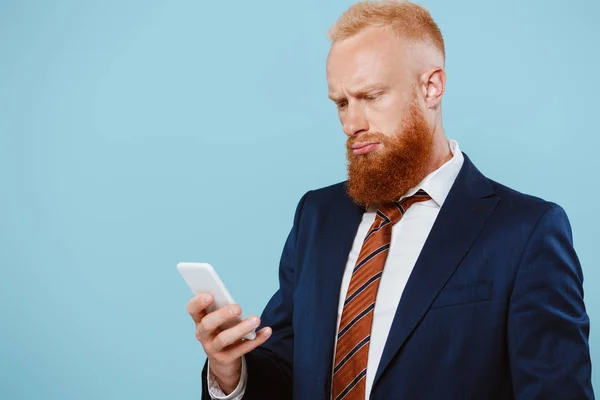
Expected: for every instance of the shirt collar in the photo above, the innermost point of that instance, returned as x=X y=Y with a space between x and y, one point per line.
x=438 y=183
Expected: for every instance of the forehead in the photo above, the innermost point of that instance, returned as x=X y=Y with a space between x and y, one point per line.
x=371 y=56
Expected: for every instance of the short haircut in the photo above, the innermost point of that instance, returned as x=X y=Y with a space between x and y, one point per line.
x=409 y=20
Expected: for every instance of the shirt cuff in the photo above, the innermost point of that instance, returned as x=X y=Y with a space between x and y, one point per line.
x=215 y=390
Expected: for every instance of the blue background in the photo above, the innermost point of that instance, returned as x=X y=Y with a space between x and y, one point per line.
x=136 y=134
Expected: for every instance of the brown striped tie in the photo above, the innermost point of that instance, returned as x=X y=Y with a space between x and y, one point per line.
x=354 y=333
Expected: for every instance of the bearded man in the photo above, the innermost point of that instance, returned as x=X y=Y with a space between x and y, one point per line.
x=419 y=277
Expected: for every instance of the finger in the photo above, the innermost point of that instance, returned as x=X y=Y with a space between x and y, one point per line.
x=247 y=346
x=197 y=305
x=209 y=324
x=235 y=333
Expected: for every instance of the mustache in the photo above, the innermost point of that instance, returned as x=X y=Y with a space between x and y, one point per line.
x=366 y=137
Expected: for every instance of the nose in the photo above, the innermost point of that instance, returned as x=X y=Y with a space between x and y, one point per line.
x=354 y=121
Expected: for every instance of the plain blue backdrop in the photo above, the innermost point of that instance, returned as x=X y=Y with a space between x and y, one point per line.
x=136 y=134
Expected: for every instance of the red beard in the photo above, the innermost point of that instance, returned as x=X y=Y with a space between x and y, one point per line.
x=387 y=173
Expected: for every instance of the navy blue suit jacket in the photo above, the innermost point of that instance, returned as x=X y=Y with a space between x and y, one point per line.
x=492 y=310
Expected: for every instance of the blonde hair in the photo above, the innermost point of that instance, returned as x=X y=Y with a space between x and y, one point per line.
x=409 y=20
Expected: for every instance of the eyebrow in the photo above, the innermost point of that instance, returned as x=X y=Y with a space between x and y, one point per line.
x=360 y=92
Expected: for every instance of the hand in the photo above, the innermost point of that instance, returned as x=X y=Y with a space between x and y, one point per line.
x=224 y=348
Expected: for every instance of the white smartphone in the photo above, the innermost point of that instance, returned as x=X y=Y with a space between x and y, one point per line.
x=202 y=278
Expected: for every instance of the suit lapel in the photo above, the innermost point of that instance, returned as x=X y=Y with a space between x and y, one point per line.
x=461 y=218
x=336 y=236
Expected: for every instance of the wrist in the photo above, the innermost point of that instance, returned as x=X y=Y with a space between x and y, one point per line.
x=228 y=378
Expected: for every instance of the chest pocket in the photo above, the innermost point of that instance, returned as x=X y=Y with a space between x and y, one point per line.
x=454 y=295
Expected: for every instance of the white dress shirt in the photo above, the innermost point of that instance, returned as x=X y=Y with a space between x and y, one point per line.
x=408 y=238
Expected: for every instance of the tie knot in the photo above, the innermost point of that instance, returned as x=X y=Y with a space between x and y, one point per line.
x=395 y=210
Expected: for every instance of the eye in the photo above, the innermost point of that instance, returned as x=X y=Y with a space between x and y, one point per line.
x=371 y=97
x=342 y=105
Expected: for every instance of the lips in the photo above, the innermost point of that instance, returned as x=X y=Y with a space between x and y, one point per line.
x=364 y=148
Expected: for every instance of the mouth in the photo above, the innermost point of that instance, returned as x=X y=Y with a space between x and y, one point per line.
x=364 y=148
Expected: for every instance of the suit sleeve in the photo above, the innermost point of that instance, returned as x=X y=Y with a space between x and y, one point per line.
x=548 y=327
x=269 y=366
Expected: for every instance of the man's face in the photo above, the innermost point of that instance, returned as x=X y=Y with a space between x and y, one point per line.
x=389 y=140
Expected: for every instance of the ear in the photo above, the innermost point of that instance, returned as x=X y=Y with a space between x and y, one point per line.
x=433 y=84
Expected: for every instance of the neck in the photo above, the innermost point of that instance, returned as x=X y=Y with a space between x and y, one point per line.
x=441 y=151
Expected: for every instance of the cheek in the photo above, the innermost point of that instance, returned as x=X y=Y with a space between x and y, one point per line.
x=385 y=121
x=392 y=114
